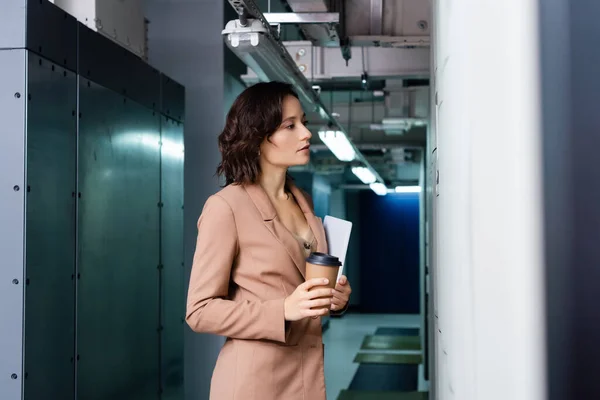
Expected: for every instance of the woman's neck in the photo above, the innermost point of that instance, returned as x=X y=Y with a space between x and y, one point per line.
x=273 y=181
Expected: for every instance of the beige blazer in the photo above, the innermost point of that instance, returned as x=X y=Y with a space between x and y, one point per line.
x=246 y=262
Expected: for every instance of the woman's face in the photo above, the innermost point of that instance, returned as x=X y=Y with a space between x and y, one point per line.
x=290 y=143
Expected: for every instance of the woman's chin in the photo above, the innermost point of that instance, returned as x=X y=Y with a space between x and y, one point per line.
x=303 y=161
x=297 y=162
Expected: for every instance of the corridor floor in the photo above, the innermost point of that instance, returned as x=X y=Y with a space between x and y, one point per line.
x=343 y=340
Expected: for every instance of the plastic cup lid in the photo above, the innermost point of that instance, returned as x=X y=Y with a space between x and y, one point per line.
x=324 y=260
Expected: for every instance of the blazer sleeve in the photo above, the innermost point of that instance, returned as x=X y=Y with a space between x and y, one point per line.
x=209 y=310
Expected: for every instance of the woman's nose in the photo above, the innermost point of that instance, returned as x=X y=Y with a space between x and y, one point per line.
x=306 y=135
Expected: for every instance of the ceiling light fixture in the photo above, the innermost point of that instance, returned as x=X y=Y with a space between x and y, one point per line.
x=364 y=174
x=339 y=144
x=379 y=188
x=408 y=189
x=260 y=52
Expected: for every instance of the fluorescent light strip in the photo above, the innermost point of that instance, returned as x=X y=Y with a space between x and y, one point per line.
x=339 y=145
x=408 y=189
x=379 y=188
x=364 y=174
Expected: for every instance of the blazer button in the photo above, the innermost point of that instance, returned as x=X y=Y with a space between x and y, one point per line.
x=307 y=245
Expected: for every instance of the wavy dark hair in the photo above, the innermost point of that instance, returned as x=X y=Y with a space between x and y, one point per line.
x=254 y=116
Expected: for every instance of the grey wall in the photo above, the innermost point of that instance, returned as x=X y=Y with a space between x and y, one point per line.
x=233 y=87
x=570 y=89
x=185 y=41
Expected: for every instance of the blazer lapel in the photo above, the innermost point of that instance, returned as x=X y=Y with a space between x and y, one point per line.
x=276 y=227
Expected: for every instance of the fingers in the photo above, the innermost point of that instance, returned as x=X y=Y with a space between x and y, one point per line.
x=343 y=289
x=339 y=300
x=316 y=313
x=313 y=294
x=318 y=303
x=314 y=282
x=340 y=296
x=338 y=303
x=336 y=306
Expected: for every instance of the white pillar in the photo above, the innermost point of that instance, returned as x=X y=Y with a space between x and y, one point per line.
x=489 y=247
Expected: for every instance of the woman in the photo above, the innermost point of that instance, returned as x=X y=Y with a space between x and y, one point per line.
x=247 y=280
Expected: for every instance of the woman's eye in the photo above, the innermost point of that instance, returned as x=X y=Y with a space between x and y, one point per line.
x=290 y=126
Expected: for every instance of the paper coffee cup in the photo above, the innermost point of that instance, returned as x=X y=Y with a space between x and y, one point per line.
x=320 y=265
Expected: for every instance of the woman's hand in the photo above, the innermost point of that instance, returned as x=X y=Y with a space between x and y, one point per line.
x=341 y=294
x=298 y=305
